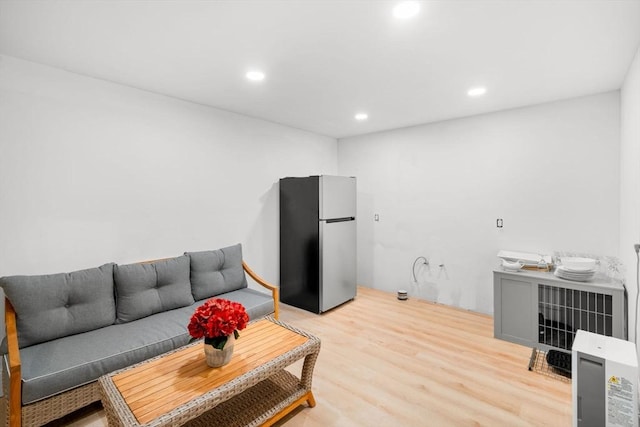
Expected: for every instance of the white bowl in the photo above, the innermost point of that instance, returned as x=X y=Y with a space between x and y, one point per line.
x=578 y=264
x=511 y=266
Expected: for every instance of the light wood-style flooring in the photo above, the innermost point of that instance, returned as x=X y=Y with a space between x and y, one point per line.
x=386 y=362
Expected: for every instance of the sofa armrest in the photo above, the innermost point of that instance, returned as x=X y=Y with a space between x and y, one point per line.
x=273 y=288
x=14 y=365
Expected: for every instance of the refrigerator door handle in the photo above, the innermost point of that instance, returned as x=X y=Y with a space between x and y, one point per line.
x=348 y=218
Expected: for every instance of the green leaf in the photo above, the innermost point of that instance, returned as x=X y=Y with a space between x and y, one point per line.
x=220 y=344
x=236 y=334
x=216 y=342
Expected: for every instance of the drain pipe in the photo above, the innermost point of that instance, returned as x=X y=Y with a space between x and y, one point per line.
x=413 y=270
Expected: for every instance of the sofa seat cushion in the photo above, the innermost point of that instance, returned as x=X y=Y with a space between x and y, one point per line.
x=57 y=305
x=56 y=366
x=216 y=272
x=258 y=304
x=146 y=289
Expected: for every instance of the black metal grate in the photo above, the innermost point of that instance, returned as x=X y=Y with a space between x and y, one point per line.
x=561 y=312
x=538 y=363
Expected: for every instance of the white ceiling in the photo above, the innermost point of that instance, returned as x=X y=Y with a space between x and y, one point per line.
x=326 y=60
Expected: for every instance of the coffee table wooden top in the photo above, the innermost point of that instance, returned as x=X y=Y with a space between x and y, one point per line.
x=167 y=383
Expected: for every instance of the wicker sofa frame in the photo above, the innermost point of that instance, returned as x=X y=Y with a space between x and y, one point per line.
x=59 y=405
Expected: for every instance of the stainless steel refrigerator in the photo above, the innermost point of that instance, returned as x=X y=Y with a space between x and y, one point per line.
x=317 y=241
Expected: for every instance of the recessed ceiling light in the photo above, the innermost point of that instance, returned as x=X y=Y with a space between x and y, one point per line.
x=362 y=116
x=406 y=9
x=477 y=91
x=255 y=76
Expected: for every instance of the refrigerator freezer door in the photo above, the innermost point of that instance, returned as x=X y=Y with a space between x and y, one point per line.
x=337 y=263
x=337 y=197
x=299 y=243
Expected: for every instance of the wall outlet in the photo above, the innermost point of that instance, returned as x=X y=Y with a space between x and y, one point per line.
x=499 y=222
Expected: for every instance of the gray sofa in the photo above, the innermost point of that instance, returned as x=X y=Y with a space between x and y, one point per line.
x=66 y=330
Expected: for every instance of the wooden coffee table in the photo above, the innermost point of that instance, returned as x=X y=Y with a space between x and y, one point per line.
x=178 y=388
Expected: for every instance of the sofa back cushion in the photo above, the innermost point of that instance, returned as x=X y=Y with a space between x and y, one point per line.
x=149 y=288
x=216 y=272
x=57 y=305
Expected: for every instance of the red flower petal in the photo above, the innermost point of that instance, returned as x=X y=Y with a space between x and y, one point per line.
x=217 y=317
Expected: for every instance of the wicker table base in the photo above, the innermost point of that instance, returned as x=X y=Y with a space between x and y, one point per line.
x=258 y=405
x=179 y=389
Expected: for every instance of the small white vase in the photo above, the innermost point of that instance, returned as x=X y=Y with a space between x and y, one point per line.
x=216 y=358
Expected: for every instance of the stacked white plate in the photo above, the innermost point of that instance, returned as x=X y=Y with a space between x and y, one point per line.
x=577 y=269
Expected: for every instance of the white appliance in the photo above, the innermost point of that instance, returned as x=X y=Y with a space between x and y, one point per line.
x=604 y=381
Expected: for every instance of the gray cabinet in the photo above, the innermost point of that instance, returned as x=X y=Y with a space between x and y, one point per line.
x=513 y=307
x=538 y=309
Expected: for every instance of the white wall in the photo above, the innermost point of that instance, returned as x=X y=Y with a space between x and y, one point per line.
x=550 y=171
x=630 y=182
x=92 y=172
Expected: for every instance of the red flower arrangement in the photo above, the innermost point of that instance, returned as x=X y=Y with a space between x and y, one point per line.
x=216 y=319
